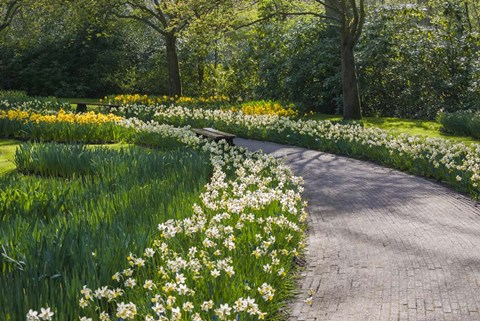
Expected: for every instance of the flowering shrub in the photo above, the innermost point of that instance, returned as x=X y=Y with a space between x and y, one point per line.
x=61 y=127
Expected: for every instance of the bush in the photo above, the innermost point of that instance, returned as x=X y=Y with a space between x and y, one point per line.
x=411 y=69
x=464 y=122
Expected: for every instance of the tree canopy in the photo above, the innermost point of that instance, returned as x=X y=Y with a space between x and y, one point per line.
x=352 y=57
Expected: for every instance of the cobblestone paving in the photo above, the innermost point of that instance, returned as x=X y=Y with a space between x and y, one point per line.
x=383 y=245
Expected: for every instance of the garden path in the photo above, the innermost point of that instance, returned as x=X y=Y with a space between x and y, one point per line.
x=383 y=245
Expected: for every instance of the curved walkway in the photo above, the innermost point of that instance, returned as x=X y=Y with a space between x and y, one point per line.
x=383 y=245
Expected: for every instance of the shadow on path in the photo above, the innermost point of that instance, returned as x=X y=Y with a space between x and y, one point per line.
x=383 y=245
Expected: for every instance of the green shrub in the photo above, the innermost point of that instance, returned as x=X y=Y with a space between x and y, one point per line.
x=464 y=122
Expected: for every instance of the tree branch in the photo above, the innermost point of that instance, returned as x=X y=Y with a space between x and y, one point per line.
x=355 y=20
x=361 y=21
x=160 y=17
x=13 y=7
x=329 y=6
x=144 y=20
x=286 y=14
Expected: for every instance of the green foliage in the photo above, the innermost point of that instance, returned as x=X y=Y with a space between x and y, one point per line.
x=57 y=233
x=412 y=61
x=10 y=99
x=13 y=95
x=443 y=160
x=313 y=62
x=62 y=130
x=464 y=122
x=70 y=56
x=414 y=65
x=67 y=161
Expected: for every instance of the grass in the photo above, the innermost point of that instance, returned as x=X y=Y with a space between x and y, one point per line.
x=7 y=154
x=58 y=232
x=9 y=146
x=399 y=126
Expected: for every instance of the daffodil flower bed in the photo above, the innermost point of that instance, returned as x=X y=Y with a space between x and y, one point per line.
x=231 y=257
x=60 y=126
x=265 y=107
x=447 y=161
x=19 y=100
x=142 y=106
x=148 y=100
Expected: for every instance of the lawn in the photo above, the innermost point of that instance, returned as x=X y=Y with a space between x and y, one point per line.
x=396 y=126
x=7 y=153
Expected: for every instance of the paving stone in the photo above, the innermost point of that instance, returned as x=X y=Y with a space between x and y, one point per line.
x=383 y=245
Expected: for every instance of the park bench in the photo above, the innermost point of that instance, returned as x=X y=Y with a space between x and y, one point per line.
x=214 y=134
x=82 y=106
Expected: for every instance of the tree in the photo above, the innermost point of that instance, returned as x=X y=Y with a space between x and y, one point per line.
x=350 y=18
x=169 y=18
x=8 y=10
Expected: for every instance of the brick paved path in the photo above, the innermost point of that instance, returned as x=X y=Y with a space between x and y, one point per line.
x=383 y=245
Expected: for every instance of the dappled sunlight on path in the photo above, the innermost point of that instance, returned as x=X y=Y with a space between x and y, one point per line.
x=383 y=245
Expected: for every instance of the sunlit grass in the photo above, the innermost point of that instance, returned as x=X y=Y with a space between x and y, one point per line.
x=8 y=147
x=397 y=126
x=7 y=154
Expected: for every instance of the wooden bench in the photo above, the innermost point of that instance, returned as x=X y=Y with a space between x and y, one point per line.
x=214 y=134
x=82 y=106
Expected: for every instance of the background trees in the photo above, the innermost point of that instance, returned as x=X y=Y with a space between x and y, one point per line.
x=8 y=10
x=411 y=59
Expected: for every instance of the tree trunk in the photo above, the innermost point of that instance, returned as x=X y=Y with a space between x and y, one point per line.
x=175 y=83
x=351 y=97
x=201 y=72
